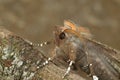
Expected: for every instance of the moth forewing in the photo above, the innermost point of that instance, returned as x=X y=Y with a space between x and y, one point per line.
x=105 y=61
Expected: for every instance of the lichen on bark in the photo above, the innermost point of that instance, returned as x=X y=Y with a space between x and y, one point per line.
x=17 y=60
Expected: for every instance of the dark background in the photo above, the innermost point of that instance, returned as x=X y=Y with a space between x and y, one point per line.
x=35 y=19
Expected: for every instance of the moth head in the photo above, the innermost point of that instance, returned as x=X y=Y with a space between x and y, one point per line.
x=69 y=31
x=63 y=34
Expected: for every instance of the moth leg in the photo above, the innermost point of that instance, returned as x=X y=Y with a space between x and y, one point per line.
x=72 y=57
x=92 y=74
x=91 y=68
x=94 y=77
x=68 y=69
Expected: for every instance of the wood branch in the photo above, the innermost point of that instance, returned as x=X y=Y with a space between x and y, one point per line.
x=19 y=60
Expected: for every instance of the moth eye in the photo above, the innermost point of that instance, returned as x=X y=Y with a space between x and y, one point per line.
x=62 y=36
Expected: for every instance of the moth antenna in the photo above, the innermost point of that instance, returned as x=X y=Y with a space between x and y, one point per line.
x=45 y=43
x=41 y=44
x=70 y=24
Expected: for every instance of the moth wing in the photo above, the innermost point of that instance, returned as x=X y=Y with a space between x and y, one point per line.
x=105 y=61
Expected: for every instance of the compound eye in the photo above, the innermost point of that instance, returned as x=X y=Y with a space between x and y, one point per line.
x=62 y=36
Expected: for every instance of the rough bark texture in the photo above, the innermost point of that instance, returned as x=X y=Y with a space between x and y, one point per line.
x=21 y=61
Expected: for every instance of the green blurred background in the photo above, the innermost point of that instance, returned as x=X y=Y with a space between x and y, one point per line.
x=35 y=19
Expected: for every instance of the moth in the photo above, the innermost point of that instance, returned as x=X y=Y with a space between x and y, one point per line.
x=75 y=46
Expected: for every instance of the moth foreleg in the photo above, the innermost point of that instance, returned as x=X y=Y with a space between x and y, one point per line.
x=68 y=69
x=72 y=57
